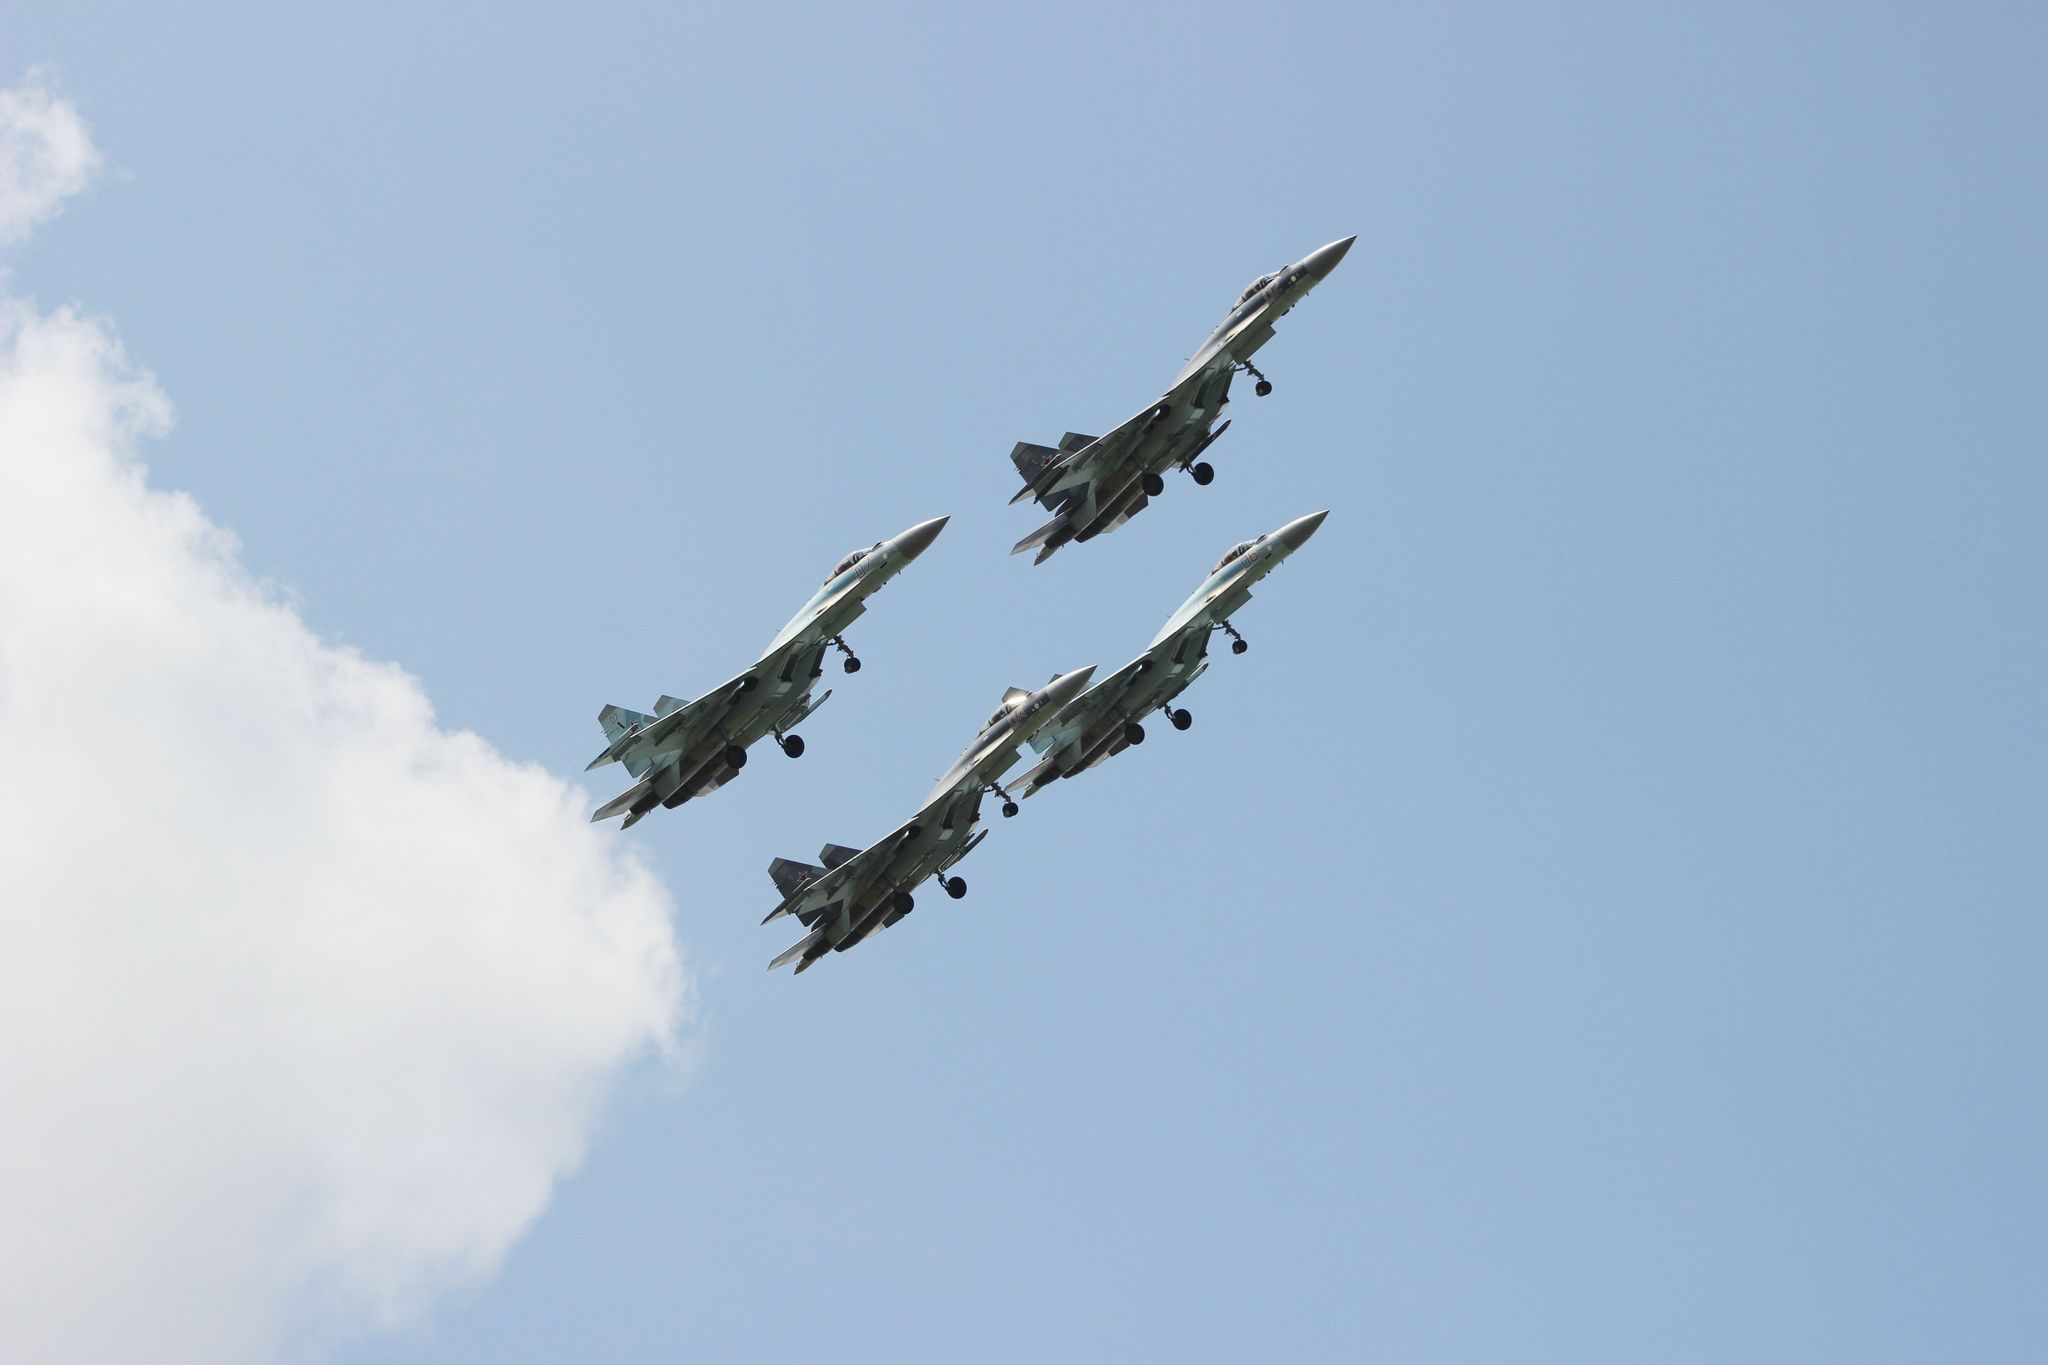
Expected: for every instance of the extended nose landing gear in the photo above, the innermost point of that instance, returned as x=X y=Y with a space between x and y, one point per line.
x=852 y=664
x=1264 y=386
x=1009 y=802
x=1238 y=644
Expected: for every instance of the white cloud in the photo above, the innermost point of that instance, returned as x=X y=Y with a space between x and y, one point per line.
x=45 y=155
x=305 y=1002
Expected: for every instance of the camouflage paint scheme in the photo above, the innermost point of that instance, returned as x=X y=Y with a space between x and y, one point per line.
x=851 y=894
x=684 y=749
x=1103 y=721
x=1094 y=484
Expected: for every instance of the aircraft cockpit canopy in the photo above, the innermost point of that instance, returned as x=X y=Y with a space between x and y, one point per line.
x=1256 y=285
x=843 y=565
x=1235 y=552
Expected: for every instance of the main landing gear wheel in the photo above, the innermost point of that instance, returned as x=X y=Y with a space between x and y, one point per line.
x=956 y=887
x=1152 y=484
x=1181 y=719
x=793 y=745
x=1203 y=473
x=1009 y=805
x=735 y=757
x=1134 y=733
x=901 y=903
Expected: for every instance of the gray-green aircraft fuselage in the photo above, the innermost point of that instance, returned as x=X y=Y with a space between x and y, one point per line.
x=850 y=894
x=684 y=749
x=1105 y=720
x=1094 y=484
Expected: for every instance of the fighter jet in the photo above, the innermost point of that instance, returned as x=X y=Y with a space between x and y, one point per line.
x=1094 y=484
x=852 y=893
x=1103 y=721
x=685 y=749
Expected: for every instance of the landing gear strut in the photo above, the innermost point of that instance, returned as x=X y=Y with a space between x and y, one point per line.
x=1238 y=643
x=852 y=664
x=1009 y=802
x=1264 y=386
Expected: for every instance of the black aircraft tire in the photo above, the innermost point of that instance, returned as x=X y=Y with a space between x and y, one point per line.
x=1009 y=809
x=1238 y=646
x=1263 y=387
x=1204 y=472
x=902 y=903
x=956 y=887
x=1134 y=733
x=1152 y=484
x=1181 y=719
x=793 y=745
x=735 y=757
x=851 y=665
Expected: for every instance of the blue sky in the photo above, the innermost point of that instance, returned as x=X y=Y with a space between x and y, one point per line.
x=1600 y=919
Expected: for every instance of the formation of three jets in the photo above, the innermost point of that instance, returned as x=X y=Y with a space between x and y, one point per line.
x=1092 y=485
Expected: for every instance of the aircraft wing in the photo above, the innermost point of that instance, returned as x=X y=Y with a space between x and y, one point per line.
x=849 y=879
x=1080 y=715
x=1074 y=739
x=1109 y=459
x=675 y=729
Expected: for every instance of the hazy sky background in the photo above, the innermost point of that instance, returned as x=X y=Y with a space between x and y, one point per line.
x=1602 y=916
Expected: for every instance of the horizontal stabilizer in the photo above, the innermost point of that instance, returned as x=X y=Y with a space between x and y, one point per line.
x=1040 y=536
x=1040 y=777
x=624 y=800
x=797 y=949
x=832 y=855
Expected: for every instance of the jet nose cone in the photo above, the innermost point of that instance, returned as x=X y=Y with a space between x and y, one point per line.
x=1296 y=533
x=1068 y=686
x=1323 y=260
x=913 y=542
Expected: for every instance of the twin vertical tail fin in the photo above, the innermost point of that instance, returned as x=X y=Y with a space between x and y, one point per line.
x=618 y=722
x=789 y=875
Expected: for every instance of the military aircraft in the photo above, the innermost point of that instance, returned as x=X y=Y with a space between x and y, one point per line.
x=686 y=749
x=1103 y=721
x=1094 y=484
x=858 y=892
